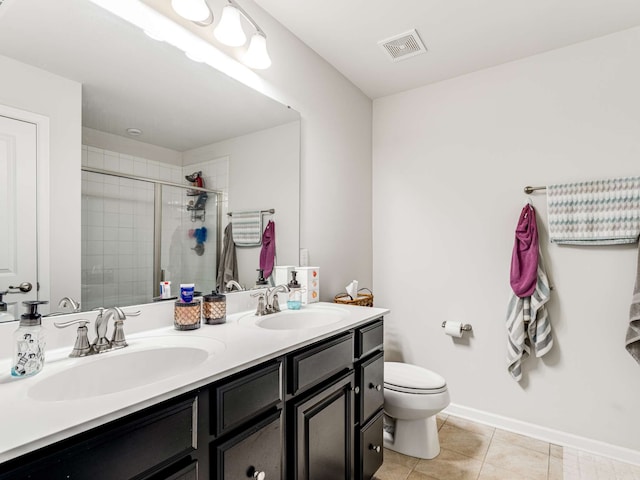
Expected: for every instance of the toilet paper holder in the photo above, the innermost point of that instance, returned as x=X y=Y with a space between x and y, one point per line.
x=465 y=328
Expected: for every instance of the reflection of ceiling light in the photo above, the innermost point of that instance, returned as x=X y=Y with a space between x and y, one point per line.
x=194 y=10
x=257 y=55
x=134 y=132
x=229 y=31
x=149 y=20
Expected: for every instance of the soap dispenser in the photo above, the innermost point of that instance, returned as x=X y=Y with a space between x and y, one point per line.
x=29 y=342
x=261 y=282
x=295 y=293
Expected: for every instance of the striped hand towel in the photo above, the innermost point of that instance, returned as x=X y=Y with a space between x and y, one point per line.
x=537 y=334
x=602 y=212
x=632 y=342
x=247 y=228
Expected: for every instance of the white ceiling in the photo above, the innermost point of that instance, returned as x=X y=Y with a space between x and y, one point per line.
x=130 y=80
x=461 y=36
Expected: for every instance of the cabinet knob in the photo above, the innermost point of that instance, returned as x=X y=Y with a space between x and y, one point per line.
x=356 y=390
x=259 y=475
x=375 y=448
x=377 y=387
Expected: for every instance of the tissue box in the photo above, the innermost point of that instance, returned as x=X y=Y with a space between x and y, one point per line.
x=282 y=274
x=309 y=278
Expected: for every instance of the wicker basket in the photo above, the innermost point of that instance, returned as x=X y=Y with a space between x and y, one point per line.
x=364 y=298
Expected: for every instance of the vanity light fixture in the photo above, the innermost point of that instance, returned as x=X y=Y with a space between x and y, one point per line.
x=160 y=27
x=229 y=32
x=195 y=10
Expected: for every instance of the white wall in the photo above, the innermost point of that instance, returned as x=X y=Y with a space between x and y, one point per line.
x=264 y=172
x=450 y=163
x=34 y=90
x=335 y=207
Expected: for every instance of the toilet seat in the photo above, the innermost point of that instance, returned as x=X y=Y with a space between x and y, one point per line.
x=407 y=378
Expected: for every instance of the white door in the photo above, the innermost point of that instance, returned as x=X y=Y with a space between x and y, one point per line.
x=18 y=245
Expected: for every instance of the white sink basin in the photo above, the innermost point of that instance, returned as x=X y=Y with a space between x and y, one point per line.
x=304 y=319
x=143 y=362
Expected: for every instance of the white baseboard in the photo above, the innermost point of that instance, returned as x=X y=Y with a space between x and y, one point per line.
x=550 y=435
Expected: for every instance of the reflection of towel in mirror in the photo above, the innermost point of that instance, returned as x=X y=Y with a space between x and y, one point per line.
x=228 y=268
x=247 y=228
x=632 y=341
x=537 y=334
x=268 y=251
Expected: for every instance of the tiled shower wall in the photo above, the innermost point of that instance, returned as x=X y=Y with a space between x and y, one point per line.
x=117 y=229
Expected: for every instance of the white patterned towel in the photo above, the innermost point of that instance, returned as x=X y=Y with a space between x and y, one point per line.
x=537 y=334
x=247 y=228
x=602 y=212
x=632 y=342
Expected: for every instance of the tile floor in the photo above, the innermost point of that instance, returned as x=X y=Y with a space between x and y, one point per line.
x=471 y=451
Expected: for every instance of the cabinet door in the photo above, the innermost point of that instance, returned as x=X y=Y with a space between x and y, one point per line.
x=370 y=448
x=371 y=382
x=323 y=427
x=254 y=453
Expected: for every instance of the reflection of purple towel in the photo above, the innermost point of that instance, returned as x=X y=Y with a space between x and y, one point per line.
x=524 y=260
x=268 y=252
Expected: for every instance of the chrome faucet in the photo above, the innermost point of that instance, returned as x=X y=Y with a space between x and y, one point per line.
x=272 y=304
x=101 y=344
x=232 y=284
x=69 y=302
x=64 y=303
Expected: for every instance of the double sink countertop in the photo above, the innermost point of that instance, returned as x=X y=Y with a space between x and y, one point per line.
x=73 y=395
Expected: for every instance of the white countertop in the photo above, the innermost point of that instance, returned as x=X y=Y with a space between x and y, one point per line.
x=27 y=424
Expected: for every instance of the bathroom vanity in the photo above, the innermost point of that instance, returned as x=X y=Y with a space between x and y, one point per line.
x=275 y=403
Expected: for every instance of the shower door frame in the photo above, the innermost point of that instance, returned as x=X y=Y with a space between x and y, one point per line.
x=157 y=216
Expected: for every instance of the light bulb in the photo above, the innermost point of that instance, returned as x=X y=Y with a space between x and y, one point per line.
x=229 y=30
x=194 y=10
x=257 y=55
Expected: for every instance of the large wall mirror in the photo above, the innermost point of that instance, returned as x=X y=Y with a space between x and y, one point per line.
x=154 y=125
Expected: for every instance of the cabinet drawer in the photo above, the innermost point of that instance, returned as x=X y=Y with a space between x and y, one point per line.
x=319 y=362
x=257 y=449
x=371 y=448
x=124 y=449
x=246 y=396
x=371 y=383
x=369 y=338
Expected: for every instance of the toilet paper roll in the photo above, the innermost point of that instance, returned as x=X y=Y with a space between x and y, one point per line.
x=453 y=329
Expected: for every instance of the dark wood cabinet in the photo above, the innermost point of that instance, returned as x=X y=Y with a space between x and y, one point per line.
x=370 y=447
x=254 y=453
x=126 y=449
x=312 y=414
x=322 y=433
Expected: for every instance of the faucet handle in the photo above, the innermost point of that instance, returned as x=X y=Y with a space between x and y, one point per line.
x=81 y=347
x=275 y=304
x=262 y=304
x=118 y=340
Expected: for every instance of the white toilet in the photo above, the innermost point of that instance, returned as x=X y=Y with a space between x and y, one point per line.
x=412 y=397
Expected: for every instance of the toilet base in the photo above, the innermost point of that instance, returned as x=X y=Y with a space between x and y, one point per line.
x=416 y=438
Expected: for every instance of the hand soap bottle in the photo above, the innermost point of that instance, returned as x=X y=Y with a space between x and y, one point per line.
x=29 y=342
x=294 y=301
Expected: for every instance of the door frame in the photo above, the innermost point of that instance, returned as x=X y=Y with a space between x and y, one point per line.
x=43 y=248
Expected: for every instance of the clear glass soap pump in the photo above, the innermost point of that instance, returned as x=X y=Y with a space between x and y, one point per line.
x=29 y=342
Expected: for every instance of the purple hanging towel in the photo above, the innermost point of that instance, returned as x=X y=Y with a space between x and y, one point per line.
x=268 y=251
x=524 y=260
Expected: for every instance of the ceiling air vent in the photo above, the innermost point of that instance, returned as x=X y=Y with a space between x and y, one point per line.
x=405 y=45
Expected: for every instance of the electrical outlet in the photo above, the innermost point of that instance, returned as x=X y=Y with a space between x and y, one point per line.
x=304 y=257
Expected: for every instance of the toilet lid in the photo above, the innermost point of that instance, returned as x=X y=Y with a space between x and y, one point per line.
x=404 y=377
